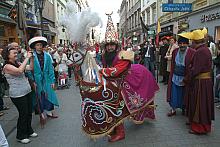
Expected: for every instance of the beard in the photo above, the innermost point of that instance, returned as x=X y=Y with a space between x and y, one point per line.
x=109 y=57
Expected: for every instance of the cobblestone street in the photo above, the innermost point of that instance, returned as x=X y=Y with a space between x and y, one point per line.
x=66 y=130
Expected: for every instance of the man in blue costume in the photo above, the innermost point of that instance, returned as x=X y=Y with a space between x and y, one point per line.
x=181 y=59
x=44 y=78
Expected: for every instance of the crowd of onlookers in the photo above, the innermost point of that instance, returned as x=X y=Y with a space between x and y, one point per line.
x=153 y=57
x=16 y=72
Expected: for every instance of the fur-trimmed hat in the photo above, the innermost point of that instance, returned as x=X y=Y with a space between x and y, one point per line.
x=38 y=39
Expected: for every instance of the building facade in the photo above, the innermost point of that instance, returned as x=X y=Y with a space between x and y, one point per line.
x=205 y=13
x=122 y=28
x=8 y=31
x=149 y=16
x=133 y=21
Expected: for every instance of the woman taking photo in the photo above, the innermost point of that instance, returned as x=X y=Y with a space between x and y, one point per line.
x=19 y=91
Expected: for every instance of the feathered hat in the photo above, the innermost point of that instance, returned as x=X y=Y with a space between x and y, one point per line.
x=38 y=39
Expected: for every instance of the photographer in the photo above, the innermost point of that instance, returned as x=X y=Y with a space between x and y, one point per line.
x=19 y=91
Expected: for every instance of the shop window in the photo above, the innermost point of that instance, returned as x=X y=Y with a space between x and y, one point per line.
x=2 y=31
x=217 y=38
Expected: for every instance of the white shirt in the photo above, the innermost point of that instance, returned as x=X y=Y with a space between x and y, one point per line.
x=61 y=59
x=147 y=55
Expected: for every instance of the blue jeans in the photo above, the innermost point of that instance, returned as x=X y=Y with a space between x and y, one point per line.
x=150 y=65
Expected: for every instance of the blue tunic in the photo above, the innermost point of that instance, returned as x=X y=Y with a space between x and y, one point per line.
x=177 y=92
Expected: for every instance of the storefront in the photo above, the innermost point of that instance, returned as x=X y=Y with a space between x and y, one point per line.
x=209 y=18
x=32 y=25
x=8 y=31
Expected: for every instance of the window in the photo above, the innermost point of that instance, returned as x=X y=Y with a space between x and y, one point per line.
x=143 y=17
x=154 y=14
x=2 y=31
x=148 y=17
x=51 y=1
x=61 y=10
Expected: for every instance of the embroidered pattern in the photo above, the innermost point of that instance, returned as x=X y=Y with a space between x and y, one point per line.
x=98 y=111
x=134 y=100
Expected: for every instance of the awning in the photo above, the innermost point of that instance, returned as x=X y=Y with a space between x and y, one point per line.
x=49 y=33
x=34 y=26
x=7 y=19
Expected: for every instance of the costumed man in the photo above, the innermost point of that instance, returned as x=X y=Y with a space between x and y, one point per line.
x=181 y=59
x=201 y=100
x=138 y=87
x=44 y=78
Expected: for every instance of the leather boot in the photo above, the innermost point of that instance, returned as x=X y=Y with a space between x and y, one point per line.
x=120 y=134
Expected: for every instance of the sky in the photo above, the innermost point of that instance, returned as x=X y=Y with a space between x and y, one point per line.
x=106 y=6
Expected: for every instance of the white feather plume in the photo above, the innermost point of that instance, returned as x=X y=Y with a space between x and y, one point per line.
x=79 y=24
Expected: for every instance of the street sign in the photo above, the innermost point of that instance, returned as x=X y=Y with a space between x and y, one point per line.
x=177 y=7
x=151 y=32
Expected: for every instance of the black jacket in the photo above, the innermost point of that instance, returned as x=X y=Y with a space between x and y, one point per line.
x=151 y=52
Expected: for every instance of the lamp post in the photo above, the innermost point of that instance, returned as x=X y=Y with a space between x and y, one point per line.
x=40 y=6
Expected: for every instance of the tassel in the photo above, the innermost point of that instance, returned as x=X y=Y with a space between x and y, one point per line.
x=104 y=82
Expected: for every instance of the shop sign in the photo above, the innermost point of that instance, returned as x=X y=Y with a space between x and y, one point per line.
x=30 y=18
x=177 y=7
x=150 y=32
x=210 y=17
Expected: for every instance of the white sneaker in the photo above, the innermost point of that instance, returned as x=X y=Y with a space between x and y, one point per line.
x=24 y=141
x=34 y=135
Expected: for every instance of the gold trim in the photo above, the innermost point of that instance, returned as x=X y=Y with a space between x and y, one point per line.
x=205 y=75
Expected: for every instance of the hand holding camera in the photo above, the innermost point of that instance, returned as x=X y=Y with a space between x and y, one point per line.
x=29 y=54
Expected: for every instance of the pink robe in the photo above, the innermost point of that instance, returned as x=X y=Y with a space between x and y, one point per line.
x=138 y=88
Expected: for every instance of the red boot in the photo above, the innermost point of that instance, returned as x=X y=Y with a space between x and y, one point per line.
x=119 y=135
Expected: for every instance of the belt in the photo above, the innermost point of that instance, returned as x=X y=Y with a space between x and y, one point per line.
x=205 y=75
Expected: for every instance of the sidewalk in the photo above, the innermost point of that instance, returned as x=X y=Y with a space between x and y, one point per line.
x=9 y=120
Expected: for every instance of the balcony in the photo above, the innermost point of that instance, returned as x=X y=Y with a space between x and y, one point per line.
x=198 y=4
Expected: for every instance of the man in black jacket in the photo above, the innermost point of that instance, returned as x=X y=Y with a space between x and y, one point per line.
x=148 y=55
x=163 y=60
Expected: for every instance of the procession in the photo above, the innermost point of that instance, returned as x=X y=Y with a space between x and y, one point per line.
x=146 y=89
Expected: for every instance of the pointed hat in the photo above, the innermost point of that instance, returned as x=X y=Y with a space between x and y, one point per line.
x=110 y=35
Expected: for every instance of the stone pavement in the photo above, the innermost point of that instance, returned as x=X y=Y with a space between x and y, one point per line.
x=66 y=130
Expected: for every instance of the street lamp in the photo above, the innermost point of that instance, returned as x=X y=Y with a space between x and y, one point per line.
x=40 y=5
x=63 y=29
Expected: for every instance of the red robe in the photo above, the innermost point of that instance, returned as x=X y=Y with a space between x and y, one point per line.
x=201 y=100
x=115 y=71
